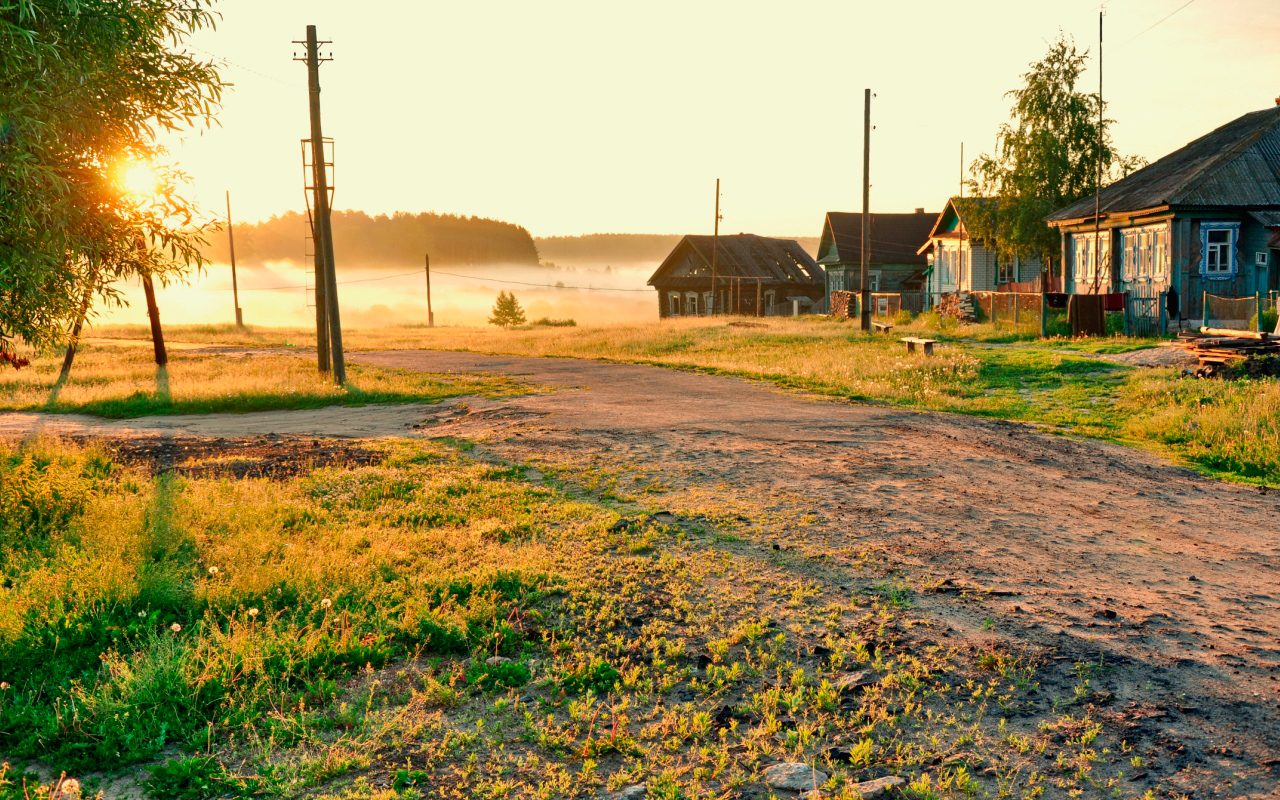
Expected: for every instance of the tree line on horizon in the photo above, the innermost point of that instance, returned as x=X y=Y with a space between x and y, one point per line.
x=399 y=239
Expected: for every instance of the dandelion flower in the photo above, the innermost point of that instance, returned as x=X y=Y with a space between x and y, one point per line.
x=213 y=570
x=141 y=614
x=253 y=612
x=325 y=603
x=4 y=686
x=175 y=627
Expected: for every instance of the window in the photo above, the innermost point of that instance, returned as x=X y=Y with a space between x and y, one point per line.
x=691 y=304
x=1218 y=247
x=706 y=302
x=1092 y=264
x=961 y=270
x=873 y=280
x=1143 y=253
x=673 y=304
x=1006 y=270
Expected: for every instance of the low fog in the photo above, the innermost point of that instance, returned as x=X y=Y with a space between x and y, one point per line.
x=276 y=295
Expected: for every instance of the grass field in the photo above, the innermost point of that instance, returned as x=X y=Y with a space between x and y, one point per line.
x=1227 y=429
x=123 y=382
x=479 y=629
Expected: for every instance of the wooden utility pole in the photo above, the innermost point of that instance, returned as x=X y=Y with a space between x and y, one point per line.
x=758 y=281
x=715 y=250
x=431 y=317
x=962 y=170
x=865 y=299
x=323 y=231
x=1097 y=186
x=235 y=289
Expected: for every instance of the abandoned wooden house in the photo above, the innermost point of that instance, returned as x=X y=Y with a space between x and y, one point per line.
x=1204 y=219
x=895 y=263
x=753 y=275
x=963 y=264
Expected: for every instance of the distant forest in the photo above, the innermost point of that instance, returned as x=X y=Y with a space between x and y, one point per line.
x=360 y=240
x=621 y=248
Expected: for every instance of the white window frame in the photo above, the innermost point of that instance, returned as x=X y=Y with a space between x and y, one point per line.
x=1229 y=248
x=673 y=304
x=873 y=280
x=1086 y=248
x=1144 y=253
x=688 y=297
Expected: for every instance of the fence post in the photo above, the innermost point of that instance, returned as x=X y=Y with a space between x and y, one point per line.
x=1164 y=321
x=1044 y=315
x=1257 y=304
x=1204 y=310
x=1127 y=329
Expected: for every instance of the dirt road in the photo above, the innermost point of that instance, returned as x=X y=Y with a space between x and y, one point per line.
x=1097 y=554
x=1113 y=556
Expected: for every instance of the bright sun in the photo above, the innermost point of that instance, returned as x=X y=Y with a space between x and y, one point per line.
x=139 y=179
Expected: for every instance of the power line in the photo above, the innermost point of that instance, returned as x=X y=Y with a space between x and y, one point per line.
x=451 y=274
x=1157 y=22
x=228 y=62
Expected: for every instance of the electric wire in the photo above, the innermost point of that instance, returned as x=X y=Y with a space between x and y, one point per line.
x=441 y=272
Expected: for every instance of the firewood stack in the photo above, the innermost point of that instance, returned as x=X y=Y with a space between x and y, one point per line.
x=959 y=305
x=843 y=304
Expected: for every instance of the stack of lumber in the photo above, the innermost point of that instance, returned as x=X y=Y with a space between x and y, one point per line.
x=1223 y=346
x=959 y=305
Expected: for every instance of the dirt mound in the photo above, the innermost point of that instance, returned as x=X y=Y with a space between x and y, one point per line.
x=275 y=457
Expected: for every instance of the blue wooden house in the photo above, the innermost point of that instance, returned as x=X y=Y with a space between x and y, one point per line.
x=1203 y=219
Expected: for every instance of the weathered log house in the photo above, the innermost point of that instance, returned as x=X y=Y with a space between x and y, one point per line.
x=1205 y=218
x=894 y=265
x=754 y=275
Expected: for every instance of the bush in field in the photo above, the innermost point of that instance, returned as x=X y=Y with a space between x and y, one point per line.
x=546 y=322
x=1269 y=319
x=903 y=317
x=507 y=311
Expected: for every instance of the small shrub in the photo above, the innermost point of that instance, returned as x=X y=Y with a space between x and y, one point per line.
x=197 y=778
x=903 y=317
x=506 y=675
x=1269 y=319
x=598 y=677
x=546 y=322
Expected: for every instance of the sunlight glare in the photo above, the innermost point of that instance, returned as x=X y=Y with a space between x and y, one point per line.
x=139 y=179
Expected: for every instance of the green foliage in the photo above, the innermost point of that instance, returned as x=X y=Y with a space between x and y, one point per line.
x=504 y=675
x=507 y=311
x=197 y=778
x=598 y=677
x=546 y=322
x=1045 y=158
x=1269 y=319
x=84 y=85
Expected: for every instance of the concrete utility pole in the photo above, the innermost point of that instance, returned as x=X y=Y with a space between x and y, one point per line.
x=431 y=317
x=715 y=250
x=235 y=289
x=323 y=231
x=865 y=299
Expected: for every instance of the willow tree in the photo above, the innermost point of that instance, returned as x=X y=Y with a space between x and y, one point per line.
x=85 y=88
x=1046 y=157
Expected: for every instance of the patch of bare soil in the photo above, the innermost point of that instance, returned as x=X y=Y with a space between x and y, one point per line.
x=275 y=457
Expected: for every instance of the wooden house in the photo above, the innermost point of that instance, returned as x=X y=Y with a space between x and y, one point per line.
x=962 y=264
x=754 y=275
x=895 y=261
x=1205 y=218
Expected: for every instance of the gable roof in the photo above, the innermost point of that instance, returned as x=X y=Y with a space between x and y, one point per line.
x=744 y=255
x=953 y=210
x=1235 y=165
x=894 y=238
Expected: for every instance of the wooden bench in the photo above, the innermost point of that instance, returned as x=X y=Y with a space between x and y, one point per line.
x=882 y=327
x=912 y=341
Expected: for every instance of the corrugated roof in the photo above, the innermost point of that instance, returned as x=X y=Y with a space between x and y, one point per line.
x=894 y=238
x=1235 y=165
x=746 y=255
x=1267 y=219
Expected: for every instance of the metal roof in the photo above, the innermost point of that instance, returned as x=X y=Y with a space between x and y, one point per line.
x=746 y=255
x=1235 y=165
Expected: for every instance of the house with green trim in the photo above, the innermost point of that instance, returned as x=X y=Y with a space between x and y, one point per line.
x=962 y=264
x=894 y=239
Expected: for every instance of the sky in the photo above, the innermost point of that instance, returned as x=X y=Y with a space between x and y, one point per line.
x=585 y=117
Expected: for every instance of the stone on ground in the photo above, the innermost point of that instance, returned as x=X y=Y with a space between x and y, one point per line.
x=794 y=777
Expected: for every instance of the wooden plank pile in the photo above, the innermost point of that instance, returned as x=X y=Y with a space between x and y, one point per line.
x=959 y=305
x=1225 y=346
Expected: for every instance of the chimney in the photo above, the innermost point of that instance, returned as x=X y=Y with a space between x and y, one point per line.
x=921 y=210
x=1278 y=101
